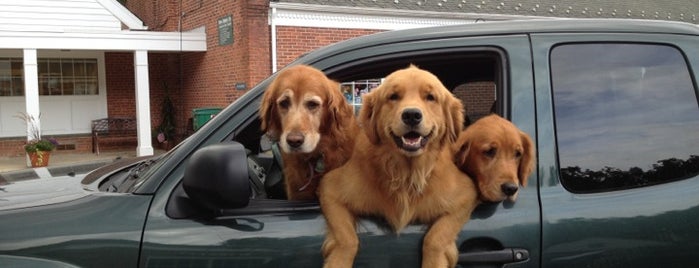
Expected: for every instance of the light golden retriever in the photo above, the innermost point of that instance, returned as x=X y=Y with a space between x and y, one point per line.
x=498 y=155
x=315 y=126
x=402 y=170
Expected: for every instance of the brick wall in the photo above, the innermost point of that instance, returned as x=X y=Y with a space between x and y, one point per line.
x=82 y=143
x=164 y=74
x=203 y=79
x=209 y=79
x=293 y=42
x=161 y=15
x=121 y=93
x=11 y=147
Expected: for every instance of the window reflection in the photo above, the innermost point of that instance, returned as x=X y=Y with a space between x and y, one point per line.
x=626 y=115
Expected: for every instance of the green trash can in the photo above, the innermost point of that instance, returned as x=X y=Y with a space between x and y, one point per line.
x=202 y=115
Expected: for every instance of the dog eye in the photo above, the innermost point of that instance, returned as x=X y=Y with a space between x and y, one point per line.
x=491 y=152
x=312 y=105
x=430 y=97
x=284 y=104
x=518 y=154
x=394 y=96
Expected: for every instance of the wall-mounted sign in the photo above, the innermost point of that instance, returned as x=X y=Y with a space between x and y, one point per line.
x=225 y=30
x=241 y=86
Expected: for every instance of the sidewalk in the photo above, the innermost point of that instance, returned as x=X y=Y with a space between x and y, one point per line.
x=15 y=168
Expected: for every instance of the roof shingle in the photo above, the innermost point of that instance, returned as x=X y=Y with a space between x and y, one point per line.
x=674 y=10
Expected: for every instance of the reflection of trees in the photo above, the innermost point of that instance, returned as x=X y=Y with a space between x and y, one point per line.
x=612 y=178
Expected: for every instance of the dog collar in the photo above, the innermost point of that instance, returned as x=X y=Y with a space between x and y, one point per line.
x=316 y=169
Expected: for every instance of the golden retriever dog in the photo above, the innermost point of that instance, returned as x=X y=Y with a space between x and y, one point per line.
x=402 y=170
x=498 y=155
x=305 y=112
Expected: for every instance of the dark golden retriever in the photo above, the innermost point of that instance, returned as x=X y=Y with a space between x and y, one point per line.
x=498 y=155
x=402 y=170
x=315 y=126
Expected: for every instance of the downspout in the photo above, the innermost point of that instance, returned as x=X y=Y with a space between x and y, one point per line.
x=273 y=26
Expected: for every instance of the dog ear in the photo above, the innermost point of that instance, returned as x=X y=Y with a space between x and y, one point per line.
x=460 y=150
x=526 y=164
x=367 y=119
x=454 y=111
x=270 y=123
x=337 y=108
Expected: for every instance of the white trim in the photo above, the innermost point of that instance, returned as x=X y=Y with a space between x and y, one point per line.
x=306 y=15
x=123 y=14
x=194 y=40
x=273 y=31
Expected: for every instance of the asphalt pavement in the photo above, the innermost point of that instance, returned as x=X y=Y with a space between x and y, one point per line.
x=60 y=164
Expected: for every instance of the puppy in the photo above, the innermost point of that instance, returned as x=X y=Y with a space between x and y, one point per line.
x=498 y=155
x=315 y=126
x=401 y=170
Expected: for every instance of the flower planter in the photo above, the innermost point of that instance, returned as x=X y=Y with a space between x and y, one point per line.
x=40 y=158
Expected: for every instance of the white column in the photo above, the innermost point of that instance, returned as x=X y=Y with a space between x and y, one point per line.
x=31 y=93
x=31 y=87
x=145 y=147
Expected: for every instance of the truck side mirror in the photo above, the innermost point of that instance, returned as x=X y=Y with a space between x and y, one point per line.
x=216 y=177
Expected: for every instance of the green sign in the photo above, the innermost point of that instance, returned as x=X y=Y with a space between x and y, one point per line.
x=225 y=30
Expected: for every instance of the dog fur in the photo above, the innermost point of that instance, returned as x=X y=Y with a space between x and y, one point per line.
x=402 y=170
x=498 y=155
x=305 y=112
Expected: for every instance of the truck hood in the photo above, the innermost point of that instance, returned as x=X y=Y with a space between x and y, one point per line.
x=39 y=192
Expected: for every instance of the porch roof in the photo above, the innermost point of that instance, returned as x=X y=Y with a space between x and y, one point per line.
x=86 y=25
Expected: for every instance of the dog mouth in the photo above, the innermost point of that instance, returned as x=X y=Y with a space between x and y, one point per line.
x=411 y=141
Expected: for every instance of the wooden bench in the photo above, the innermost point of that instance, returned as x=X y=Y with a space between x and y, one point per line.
x=112 y=130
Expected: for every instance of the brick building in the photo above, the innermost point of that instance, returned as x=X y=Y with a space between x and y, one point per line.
x=67 y=62
x=248 y=40
x=267 y=35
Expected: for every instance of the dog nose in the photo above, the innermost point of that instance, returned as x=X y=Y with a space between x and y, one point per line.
x=509 y=188
x=295 y=140
x=411 y=116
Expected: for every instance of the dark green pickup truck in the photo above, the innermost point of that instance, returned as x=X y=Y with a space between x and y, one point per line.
x=611 y=105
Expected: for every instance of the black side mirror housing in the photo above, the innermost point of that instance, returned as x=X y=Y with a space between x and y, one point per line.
x=216 y=177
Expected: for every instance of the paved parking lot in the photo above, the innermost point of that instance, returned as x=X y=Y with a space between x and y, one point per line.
x=60 y=164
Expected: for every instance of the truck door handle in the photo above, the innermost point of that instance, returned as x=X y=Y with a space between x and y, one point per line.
x=507 y=255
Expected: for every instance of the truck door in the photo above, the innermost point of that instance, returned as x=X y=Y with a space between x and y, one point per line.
x=278 y=233
x=617 y=121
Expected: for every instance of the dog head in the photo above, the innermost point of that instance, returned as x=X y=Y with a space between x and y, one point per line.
x=411 y=110
x=300 y=106
x=498 y=155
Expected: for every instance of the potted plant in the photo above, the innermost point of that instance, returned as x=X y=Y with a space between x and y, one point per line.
x=37 y=148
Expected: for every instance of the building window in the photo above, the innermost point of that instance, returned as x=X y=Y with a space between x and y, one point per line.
x=626 y=116
x=11 y=77
x=354 y=90
x=59 y=76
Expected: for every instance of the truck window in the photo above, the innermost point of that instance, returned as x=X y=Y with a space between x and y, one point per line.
x=478 y=97
x=472 y=75
x=626 y=116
